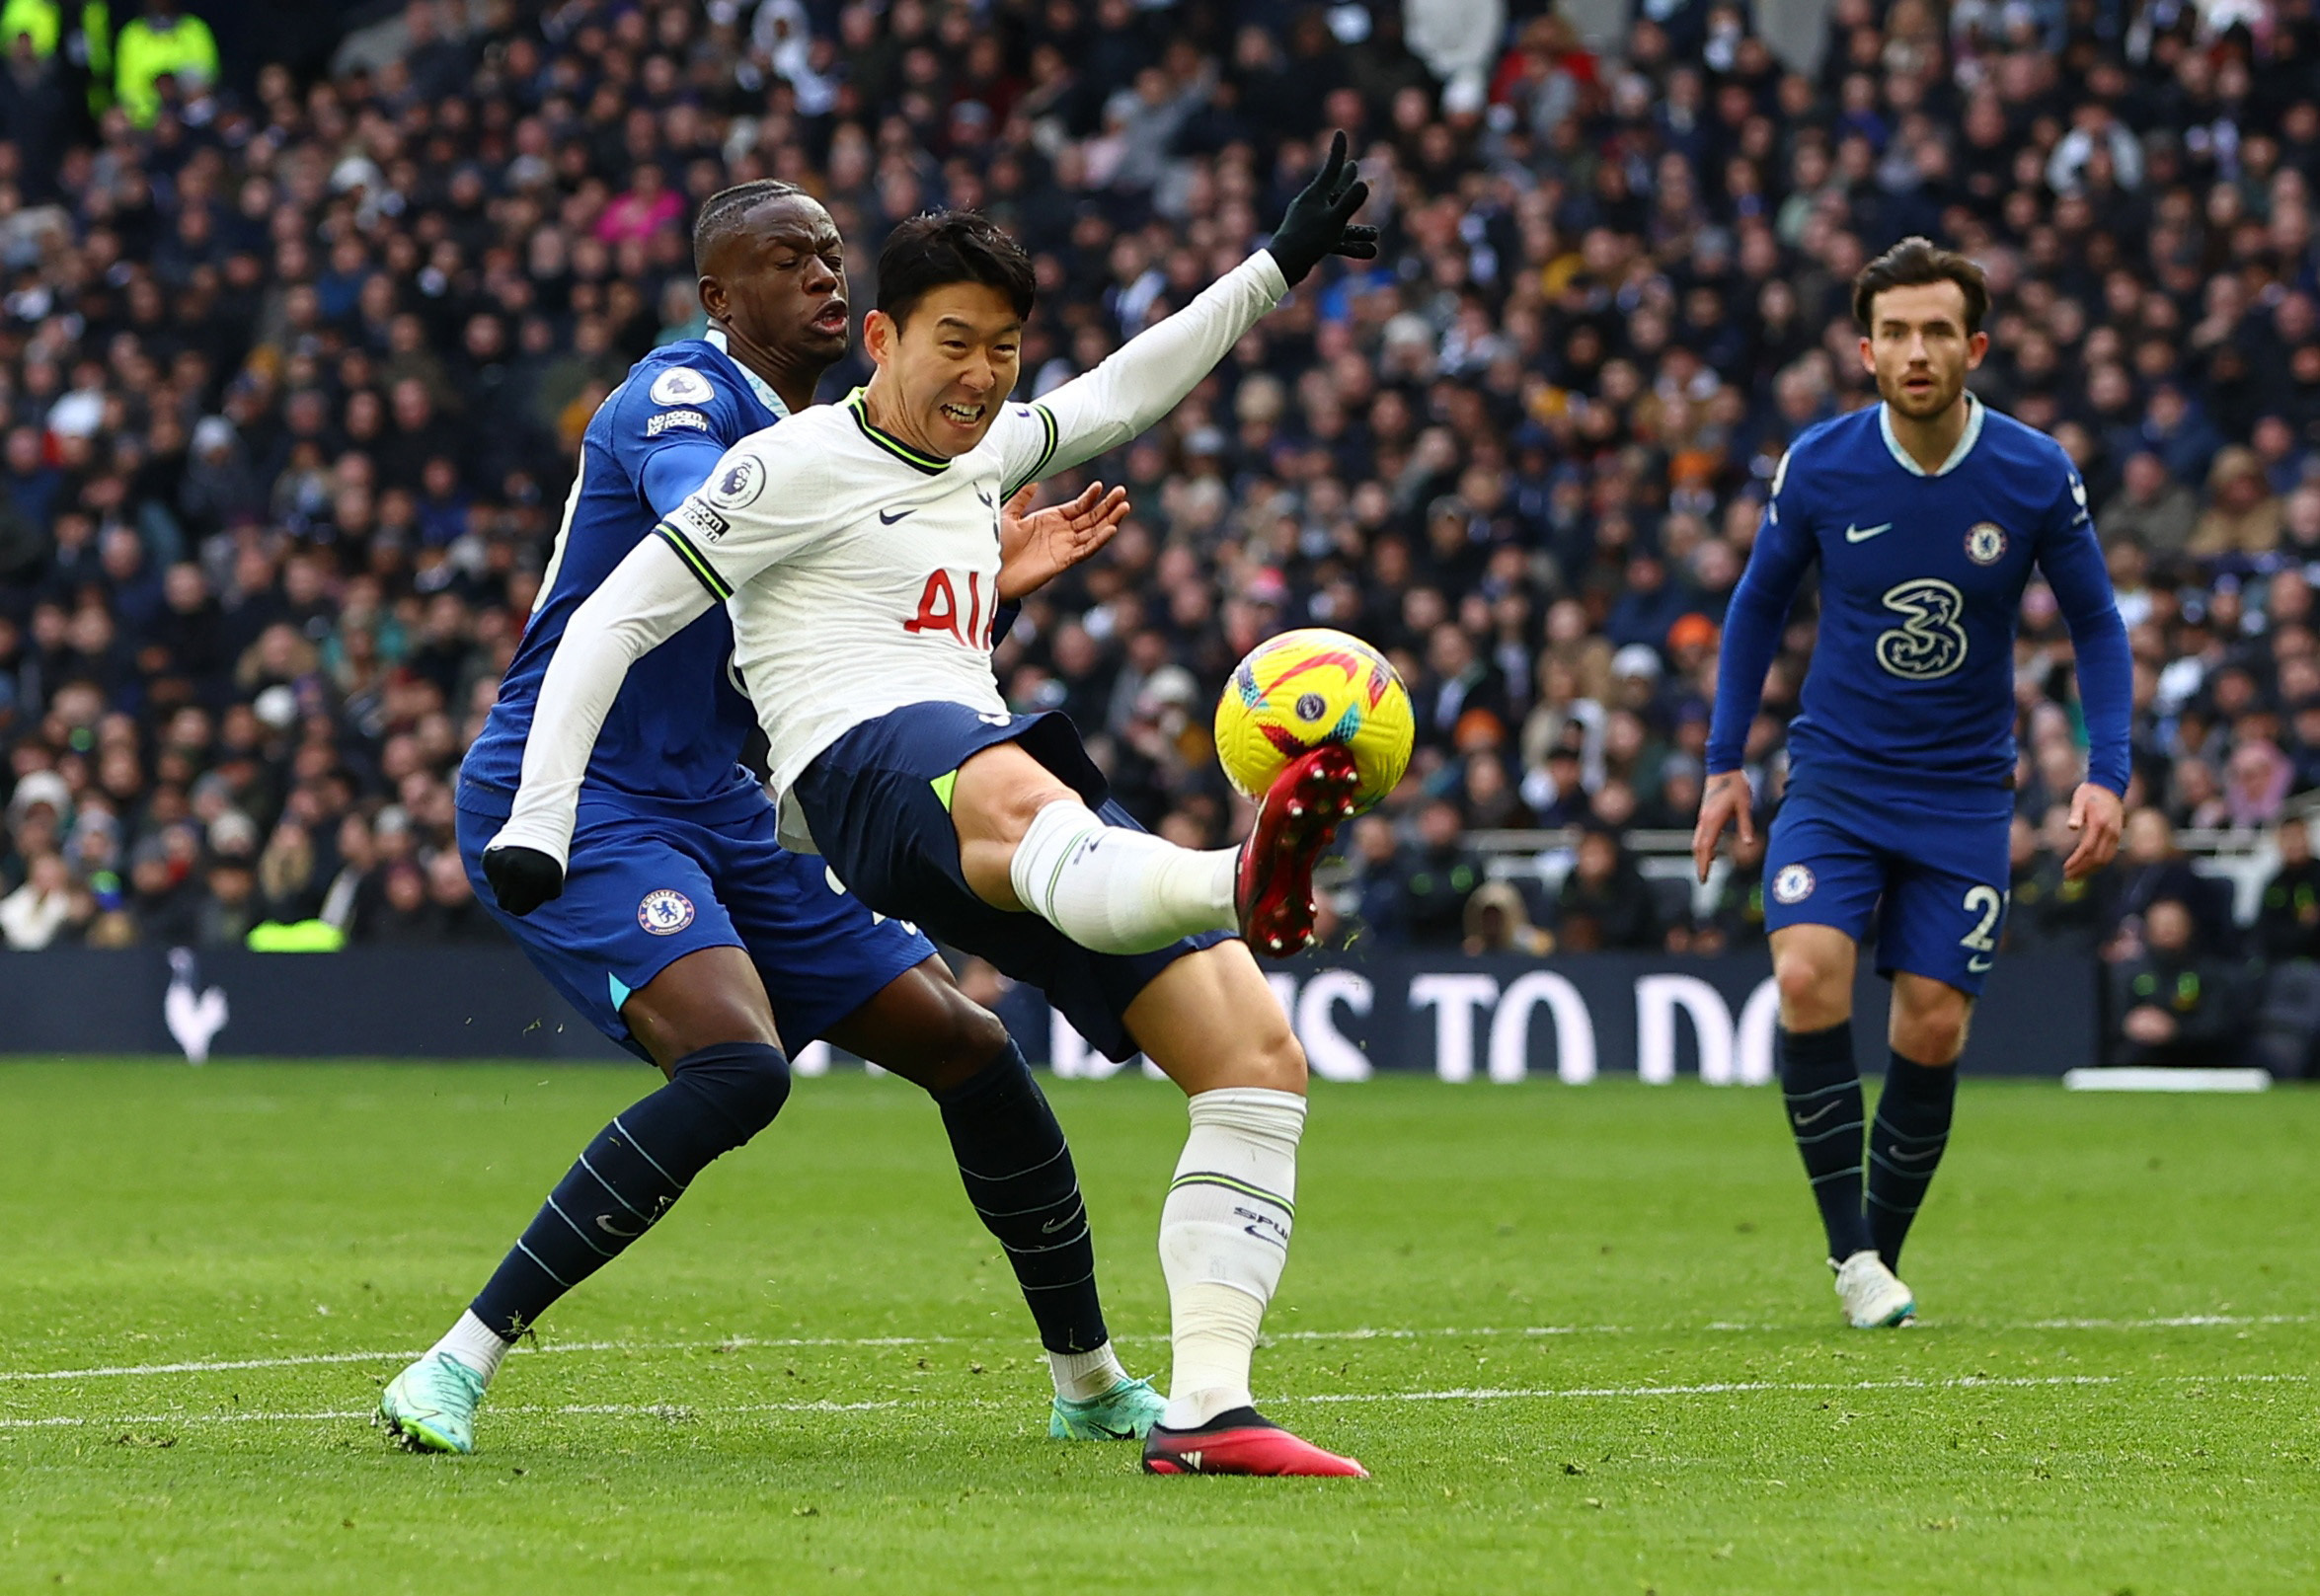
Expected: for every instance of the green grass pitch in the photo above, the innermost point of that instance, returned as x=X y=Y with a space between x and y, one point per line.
x=1582 y=1337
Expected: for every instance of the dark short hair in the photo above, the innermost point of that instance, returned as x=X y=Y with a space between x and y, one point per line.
x=724 y=211
x=1912 y=264
x=938 y=247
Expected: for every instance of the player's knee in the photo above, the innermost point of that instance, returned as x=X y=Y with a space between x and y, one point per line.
x=746 y=1083
x=1276 y=1059
x=1931 y=1030
x=970 y=1039
x=1808 y=985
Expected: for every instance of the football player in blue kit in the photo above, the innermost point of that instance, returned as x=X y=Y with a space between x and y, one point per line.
x=685 y=932
x=1926 y=514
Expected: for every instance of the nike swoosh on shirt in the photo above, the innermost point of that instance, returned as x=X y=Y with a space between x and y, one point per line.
x=892 y=519
x=1862 y=534
x=1978 y=964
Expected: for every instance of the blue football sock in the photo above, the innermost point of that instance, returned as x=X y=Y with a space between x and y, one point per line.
x=1019 y=1176
x=1905 y=1147
x=637 y=1166
x=1823 y=1091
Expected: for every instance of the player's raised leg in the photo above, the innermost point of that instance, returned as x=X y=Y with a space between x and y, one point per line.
x=1028 y=841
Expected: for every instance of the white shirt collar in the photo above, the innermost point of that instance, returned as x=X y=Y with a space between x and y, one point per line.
x=715 y=339
x=1966 y=440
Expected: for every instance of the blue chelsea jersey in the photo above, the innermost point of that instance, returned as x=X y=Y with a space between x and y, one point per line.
x=676 y=734
x=1911 y=681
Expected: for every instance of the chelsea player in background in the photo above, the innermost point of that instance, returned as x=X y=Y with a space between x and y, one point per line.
x=1926 y=514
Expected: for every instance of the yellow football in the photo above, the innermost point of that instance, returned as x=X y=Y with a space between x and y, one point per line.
x=1308 y=689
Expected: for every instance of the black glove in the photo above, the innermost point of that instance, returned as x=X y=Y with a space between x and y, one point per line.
x=523 y=878
x=1315 y=224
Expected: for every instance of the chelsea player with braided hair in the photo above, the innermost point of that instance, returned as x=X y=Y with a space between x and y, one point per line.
x=1926 y=514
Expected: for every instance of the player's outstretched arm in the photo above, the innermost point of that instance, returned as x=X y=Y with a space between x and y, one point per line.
x=650 y=597
x=1150 y=375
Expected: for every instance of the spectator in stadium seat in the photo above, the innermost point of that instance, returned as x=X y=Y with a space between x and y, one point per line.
x=2151 y=509
x=1435 y=875
x=1604 y=904
x=1458 y=681
x=1499 y=921
x=45 y=909
x=2242 y=515
x=2256 y=783
x=2176 y=1004
x=1377 y=879
x=230 y=905
x=2288 y=916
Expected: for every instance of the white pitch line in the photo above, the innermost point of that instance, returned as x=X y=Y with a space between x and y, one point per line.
x=1363 y=1334
x=303 y=1359
x=668 y=1410
x=678 y=1411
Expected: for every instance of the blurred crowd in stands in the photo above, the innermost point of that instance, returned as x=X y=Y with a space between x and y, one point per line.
x=293 y=372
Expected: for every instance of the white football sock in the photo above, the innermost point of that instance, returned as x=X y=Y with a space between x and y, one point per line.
x=1085 y=1375
x=1224 y=1238
x=1115 y=890
x=473 y=1342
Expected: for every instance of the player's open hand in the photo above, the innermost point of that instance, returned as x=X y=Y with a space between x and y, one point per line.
x=1319 y=221
x=2098 y=815
x=1726 y=800
x=1038 y=546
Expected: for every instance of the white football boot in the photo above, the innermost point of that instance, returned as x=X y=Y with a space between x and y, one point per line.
x=1874 y=1299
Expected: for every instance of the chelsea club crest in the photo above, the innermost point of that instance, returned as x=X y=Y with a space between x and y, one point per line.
x=664 y=912
x=1986 y=545
x=1794 y=883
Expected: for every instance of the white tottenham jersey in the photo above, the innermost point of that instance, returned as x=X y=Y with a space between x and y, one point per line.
x=861 y=575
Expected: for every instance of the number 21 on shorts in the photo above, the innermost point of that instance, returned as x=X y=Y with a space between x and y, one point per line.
x=1980 y=943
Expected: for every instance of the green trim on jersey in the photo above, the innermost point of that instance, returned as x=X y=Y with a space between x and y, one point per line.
x=1047 y=421
x=943 y=786
x=890 y=443
x=702 y=569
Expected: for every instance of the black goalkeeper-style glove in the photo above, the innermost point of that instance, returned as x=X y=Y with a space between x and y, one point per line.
x=1315 y=224
x=523 y=878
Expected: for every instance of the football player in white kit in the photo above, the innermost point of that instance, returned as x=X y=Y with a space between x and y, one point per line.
x=856 y=546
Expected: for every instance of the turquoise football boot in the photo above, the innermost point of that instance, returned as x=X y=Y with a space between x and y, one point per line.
x=430 y=1406
x=1126 y=1412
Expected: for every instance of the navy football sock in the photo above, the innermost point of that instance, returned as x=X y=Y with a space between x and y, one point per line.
x=1823 y=1091
x=1019 y=1176
x=715 y=1100
x=1905 y=1147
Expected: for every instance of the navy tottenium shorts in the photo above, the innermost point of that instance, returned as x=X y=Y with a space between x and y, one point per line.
x=645 y=890
x=878 y=802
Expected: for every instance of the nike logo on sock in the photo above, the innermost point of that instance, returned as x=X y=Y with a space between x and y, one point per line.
x=604 y=1223
x=1821 y=1113
x=1054 y=1225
